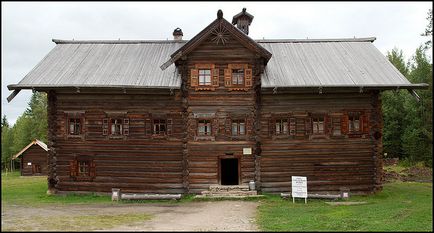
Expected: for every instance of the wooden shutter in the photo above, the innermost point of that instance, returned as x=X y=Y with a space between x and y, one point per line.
x=327 y=124
x=194 y=73
x=249 y=124
x=365 y=123
x=66 y=124
x=148 y=126
x=344 y=123
x=73 y=167
x=215 y=77
x=169 y=126
x=308 y=125
x=292 y=126
x=105 y=128
x=82 y=121
x=126 y=126
x=214 y=126
x=228 y=77
x=92 y=170
x=271 y=127
x=248 y=77
x=228 y=126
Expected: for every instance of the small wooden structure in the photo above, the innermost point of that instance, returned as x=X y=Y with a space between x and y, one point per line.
x=33 y=159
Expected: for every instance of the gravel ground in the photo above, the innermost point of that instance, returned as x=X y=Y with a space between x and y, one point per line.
x=192 y=216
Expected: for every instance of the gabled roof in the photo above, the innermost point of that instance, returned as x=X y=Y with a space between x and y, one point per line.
x=244 y=39
x=34 y=142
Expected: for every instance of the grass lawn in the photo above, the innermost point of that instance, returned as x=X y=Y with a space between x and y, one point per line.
x=32 y=190
x=401 y=206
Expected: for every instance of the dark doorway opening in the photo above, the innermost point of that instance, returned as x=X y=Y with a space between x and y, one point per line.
x=229 y=171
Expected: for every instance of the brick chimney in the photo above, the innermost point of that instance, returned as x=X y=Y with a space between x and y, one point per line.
x=177 y=34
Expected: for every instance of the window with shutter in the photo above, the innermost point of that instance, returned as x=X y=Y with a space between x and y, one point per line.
x=205 y=77
x=318 y=124
x=354 y=122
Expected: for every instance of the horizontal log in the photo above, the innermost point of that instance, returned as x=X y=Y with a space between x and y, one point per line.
x=125 y=196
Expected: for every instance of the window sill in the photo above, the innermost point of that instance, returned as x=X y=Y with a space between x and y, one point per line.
x=83 y=178
x=80 y=136
x=204 y=88
x=159 y=136
x=204 y=138
x=116 y=137
x=319 y=136
x=238 y=89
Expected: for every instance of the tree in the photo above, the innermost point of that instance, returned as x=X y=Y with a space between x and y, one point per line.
x=417 y=136
x=7 y=143
x=37 y=112
x=428 y=30
x=393 y=105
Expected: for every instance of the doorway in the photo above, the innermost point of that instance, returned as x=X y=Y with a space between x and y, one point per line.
x=229 y=172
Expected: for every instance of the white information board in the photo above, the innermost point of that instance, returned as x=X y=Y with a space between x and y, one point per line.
x=299 y=187
x=247 y=151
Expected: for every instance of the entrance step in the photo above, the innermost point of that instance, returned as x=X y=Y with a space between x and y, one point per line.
x=219 y=191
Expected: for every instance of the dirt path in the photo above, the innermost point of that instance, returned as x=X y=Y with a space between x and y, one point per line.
x=193 y=216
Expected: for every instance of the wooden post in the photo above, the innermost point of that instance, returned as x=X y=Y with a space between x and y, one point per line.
x=52 y=125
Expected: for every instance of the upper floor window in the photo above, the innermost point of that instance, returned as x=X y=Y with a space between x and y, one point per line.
x=204 y=127
x=74 y=126
x=237 y=76
x=159 y=126
x=116 y=127
x=318 y=124
x=281 y=126
x=238 y=127
x=205 y=77
x=354 y=122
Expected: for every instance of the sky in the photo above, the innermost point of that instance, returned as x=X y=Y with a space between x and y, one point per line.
x=29 y=27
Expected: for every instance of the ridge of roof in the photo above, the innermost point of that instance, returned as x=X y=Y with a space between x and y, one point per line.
x=59 y=41
x=363 y=39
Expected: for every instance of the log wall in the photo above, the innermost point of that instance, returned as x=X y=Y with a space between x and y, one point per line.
x=137 y=162
x=330 y=163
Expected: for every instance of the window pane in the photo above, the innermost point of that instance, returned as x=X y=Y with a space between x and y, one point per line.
x=277 y=127
x=285 y=126
x=234 y=128
x=71 y=128
x=321 y=127
x=356 y=125
x=242 y=128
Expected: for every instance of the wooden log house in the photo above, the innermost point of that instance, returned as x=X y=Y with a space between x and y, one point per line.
x=33 y=159
x=176 y=116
